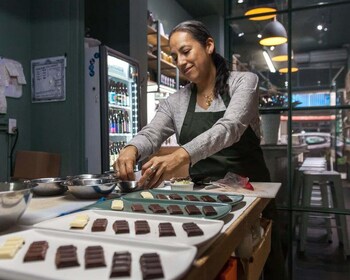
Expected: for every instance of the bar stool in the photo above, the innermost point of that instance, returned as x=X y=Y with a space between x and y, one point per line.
x=333 y=198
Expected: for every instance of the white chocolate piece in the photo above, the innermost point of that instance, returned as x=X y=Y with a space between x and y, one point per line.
x=147 y=195
x=80 y=221
x=8 y=252
x=117 y=204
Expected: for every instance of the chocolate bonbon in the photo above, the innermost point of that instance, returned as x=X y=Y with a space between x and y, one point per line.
x=36 y=251
x=151 y=266
x=174 y=210
x=175 y=196
x=192 y=229
x=121 y=264
x=99 y=225
x=207 y=198
x=192 y=210
x=156 y=208
x=137 y=208
x=142 y=227
x=121 y=226
x=166 y=229
x=161 y=196
x=94 y=257
x=66 y=256
x=191 y=197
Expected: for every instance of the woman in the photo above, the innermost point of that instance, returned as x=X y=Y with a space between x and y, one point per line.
x=215 y=118
x=216 y=121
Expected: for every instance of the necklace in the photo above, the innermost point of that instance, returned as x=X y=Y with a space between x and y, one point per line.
x=209 y=99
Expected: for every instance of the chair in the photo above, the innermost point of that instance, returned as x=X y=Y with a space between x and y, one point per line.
x=36 y=164
x=329 y=186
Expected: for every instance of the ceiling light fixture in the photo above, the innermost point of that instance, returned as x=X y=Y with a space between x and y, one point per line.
x=269 y=62
x=273 y=34
x=280 y=53
x=283 y=67
x=257 y=7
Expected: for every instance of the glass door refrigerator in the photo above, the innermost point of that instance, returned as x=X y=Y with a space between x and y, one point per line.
x=111 y=99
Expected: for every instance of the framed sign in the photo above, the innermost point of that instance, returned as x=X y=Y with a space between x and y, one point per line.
x=48 y=79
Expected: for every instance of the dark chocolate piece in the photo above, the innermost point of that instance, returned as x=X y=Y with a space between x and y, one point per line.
x=161 y=196
x=174 y=209
x=94 y=257
x=66 y=256
x=156 y=208
x=142 y=227
x=175 y=196
x=192 y=210
x=99 y=225
x=121 y=226
x=166 y=229
x=36 y=251
x=207 y=198
x=192 y=229
x=191 y=197
x=209 y=210
x=224 y=198
x=137 y=208
x=121 y=264
x=151 y=266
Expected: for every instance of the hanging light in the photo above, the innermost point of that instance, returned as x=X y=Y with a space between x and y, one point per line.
x=283 y=67
x=273 y=34
x=257 y=7
x=280 y=53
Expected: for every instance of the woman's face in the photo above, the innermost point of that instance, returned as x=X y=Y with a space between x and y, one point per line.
x=192 y=59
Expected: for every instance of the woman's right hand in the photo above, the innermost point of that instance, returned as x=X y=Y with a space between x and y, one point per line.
x=125 y=163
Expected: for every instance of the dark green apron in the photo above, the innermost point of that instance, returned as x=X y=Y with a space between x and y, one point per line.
x=244 y=158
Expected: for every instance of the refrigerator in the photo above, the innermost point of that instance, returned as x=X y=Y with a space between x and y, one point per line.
x=111 y=105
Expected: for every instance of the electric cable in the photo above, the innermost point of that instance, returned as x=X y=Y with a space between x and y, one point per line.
x=11 y=153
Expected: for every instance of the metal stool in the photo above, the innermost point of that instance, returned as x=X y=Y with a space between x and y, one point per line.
x=322 y=180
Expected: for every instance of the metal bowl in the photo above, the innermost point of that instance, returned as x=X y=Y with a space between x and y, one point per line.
x=85 y=176
x=128 y=186
x=90 y=188
x=48 y=186
x=14 y=200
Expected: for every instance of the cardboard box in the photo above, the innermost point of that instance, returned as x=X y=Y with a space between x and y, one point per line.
x=34 y=164
x=253 y=266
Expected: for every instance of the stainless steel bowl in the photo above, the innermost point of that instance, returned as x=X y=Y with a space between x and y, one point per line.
x=128 y=186
x=48 y=186
x=86 y=176
x=14 y=200
x=90 y=188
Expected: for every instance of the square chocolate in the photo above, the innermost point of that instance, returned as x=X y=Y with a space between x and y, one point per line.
x=156 y=208
x=175 y=196
x=166 y=229
x=175 y=210
x=137 y=208
x=99 y=225
x=161 y=196
x=121 y=226
x=66 y=256
x=192 y=229
x=192 y=210
x=191 y=197
x=224 y=198
x=142 y=227
x=94 y=257
x=207 y=198
x=121 y=264
x=209 y=210
x=151 y=266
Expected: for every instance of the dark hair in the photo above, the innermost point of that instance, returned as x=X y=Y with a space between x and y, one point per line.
x=201 y=34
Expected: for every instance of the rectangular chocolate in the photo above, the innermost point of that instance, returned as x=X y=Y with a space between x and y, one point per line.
x=224 y=198
x=191 y=197
x=156 y=208
x=137 y=208
x=121 y=264
x=121 y=226
x=161 y=196
x=192 y=210
x=142 y=227
x=94 y=257
x=66 y=256
x=175 y=196
x=192 y=229
x=99 y=225
x=151 y=266
x=36 y=251
x=166 y=229
x=209 y=210
x=207 y=198
x=174 y=210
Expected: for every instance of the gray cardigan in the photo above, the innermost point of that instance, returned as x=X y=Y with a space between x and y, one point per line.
x=241 y=112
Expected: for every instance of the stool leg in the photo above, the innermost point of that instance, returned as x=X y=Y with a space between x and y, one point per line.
x=306 y=200
x=325 y=204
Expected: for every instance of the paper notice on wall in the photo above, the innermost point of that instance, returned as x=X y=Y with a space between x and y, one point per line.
x=11 y=77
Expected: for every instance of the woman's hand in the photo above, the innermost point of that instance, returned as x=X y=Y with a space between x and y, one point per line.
x=125 y=163
x=157 y=169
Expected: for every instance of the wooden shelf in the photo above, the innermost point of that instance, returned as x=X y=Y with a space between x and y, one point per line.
x=152 y=39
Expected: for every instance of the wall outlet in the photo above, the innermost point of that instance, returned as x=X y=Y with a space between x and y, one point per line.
x=12 y=126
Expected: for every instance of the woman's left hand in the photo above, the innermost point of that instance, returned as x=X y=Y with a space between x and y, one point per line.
x=157 y=169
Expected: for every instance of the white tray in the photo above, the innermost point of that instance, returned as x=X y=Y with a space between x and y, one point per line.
x=38 y=270
x=210 y=227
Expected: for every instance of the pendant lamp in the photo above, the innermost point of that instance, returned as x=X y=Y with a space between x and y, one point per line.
x=280 y=53
x=273 y=34
x=283 y=67
x=256 y=7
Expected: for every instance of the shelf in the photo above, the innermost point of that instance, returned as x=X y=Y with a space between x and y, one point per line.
x=120 y=134
x=153 y=87
x=111 y=105
x=152 y=39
